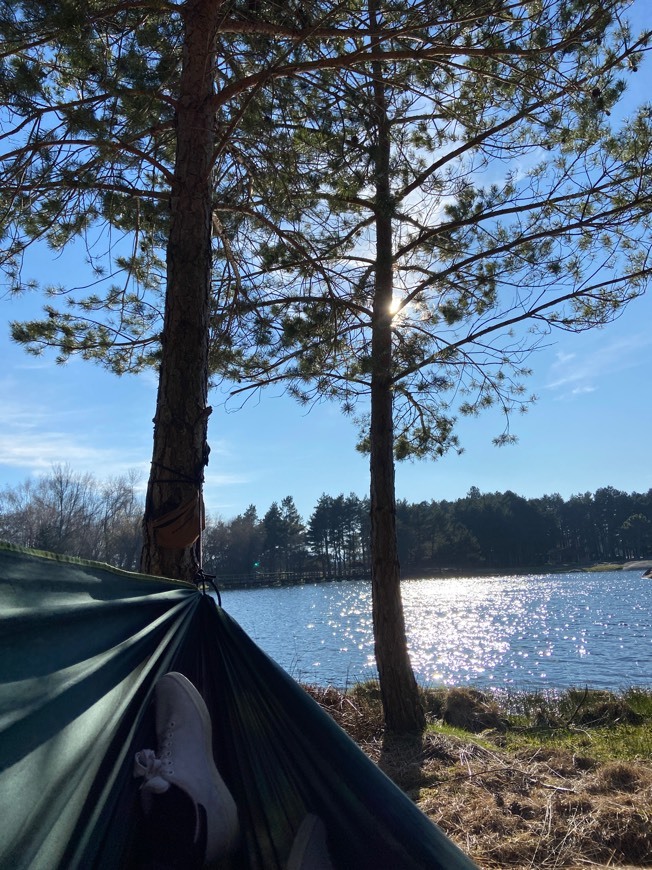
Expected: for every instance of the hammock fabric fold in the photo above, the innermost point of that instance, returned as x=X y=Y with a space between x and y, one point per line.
x=81 y=648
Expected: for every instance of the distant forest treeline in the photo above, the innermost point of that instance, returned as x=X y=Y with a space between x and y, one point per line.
x=76 y=514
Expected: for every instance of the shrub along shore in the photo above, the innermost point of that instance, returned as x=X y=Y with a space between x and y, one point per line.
x=522 y=780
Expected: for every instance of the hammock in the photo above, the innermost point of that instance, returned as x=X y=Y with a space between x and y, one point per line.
x=81 y=647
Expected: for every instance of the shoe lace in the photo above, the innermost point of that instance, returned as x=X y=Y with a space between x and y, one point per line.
x=156 y=769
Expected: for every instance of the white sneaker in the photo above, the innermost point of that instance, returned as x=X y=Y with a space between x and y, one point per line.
x=185 y=759
x=309 y=850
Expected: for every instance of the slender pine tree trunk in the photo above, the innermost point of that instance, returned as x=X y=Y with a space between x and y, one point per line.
x=399 y=692
x=180 y=451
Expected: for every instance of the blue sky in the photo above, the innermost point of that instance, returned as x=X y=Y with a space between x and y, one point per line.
x=590 y=427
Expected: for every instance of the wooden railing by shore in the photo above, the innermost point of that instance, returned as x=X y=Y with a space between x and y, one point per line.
x=288 y=578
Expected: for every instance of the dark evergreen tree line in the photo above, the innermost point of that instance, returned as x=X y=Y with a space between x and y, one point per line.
x=505 y=530
x=76 y=514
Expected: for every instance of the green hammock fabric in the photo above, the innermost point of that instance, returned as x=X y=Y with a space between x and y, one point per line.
x=81 y=647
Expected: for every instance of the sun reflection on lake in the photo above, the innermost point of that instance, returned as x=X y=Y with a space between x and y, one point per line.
x=548 y=631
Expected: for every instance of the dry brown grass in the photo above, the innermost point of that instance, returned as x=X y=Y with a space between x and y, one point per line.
x=530 y=807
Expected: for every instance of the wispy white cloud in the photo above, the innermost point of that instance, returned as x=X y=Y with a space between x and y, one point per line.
x=33 y=364
x=37 y=434
x=34 y=438
x=221 y=447
x=37 y=450
x=563 y=358
x=574 y=374
x=216 y=481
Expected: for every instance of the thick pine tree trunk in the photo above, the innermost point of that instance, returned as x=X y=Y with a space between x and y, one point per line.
x=400 y=696
x=180 y=451
x=399 y=692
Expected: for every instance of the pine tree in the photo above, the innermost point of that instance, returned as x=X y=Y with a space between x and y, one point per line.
x=143 y=122
x=250 y=150
x=438 y=285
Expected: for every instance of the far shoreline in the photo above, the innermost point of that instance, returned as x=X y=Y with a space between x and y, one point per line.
x=511 y=571
x=453 y=573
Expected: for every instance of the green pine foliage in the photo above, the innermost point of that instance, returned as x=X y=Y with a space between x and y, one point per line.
x=519 y=203
x=519 y=194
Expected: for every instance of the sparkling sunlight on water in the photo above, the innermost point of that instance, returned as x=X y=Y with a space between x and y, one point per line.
x=548 y=631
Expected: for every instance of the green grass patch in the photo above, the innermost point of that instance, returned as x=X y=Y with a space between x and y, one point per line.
x=606 y=725
x=522 y=780
x=613 y=743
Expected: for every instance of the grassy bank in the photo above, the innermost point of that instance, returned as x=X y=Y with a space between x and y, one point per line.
x=525 y=780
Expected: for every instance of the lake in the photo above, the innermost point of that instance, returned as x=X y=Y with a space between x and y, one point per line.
x=549 y=631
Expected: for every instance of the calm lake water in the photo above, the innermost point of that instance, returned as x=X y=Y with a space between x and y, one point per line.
x=531 y=632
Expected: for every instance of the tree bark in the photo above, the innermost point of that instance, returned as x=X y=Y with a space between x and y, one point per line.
x=398 y=687
x=180 y=451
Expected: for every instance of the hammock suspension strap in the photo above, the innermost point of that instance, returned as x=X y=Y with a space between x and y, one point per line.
x=184 y=525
